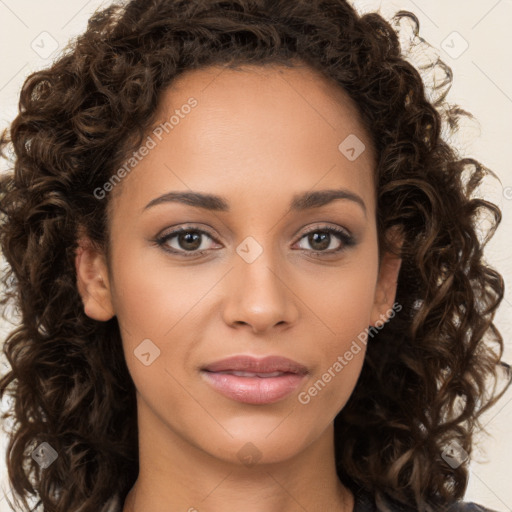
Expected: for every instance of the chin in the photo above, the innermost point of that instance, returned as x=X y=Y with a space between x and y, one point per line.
x=267 y=445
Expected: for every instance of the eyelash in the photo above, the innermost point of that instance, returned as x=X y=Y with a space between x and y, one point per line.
x=347 y=239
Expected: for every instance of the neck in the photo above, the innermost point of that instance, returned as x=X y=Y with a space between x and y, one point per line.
x=175 y=475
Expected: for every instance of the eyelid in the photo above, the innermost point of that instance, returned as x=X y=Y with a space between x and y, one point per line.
x=325 y=227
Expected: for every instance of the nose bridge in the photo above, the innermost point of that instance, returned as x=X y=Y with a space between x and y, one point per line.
x=257 y=293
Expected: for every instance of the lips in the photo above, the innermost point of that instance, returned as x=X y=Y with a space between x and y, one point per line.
x=253 y=374
x=255 y=381
x=266 y=365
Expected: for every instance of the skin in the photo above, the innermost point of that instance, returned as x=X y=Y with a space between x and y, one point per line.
x=258 y=136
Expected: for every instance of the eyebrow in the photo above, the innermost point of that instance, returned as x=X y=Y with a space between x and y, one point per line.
x=300 y=202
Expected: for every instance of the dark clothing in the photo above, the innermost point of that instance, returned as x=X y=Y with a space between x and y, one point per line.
x=364 y=502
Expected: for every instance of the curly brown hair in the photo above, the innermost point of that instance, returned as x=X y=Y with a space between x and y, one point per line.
x=425 y=378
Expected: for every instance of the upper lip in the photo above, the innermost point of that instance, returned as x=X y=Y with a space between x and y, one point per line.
x=266 y=364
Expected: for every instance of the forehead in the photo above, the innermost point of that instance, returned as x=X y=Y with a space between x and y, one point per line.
x=252 y=130
x=298 y=84
x=297 y=96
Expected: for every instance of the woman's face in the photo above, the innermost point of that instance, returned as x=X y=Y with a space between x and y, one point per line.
x=257 y=274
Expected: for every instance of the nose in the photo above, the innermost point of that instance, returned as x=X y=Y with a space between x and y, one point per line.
x=259 y=296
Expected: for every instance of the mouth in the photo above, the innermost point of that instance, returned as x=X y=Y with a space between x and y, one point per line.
x=252 y=374
x=255 y=381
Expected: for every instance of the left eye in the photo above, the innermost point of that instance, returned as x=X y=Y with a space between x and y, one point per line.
x=326 y=236
x=189 y=241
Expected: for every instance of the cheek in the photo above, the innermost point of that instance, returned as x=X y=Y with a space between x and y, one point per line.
x=150 y=297
x=340 y=351
x=343 y=299
x=159 y=308
x=344 y=307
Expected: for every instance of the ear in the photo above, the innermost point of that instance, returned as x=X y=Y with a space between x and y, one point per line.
x=387 y=280
x=92 y=280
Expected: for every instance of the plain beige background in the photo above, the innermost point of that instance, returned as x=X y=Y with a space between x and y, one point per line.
x=473 y=37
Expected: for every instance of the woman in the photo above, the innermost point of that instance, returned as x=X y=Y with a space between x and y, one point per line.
x=247 y=267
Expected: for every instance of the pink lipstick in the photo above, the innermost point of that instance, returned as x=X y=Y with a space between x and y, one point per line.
x=254 y=380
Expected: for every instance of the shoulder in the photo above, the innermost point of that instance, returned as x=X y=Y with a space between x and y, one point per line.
x=366 y=502
x=464 y=506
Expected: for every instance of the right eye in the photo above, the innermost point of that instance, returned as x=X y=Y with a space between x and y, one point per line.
x=188 y=241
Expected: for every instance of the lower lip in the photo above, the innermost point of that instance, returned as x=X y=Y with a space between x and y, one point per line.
x=254 y=390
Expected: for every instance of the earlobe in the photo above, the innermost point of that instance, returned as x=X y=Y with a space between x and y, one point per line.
x=385 y=291
x=92 y=281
